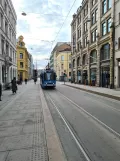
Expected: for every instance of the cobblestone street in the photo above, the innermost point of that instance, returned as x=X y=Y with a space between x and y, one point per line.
x=22 y=132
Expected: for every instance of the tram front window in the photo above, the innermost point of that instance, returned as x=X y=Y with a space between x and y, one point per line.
x=49 y=76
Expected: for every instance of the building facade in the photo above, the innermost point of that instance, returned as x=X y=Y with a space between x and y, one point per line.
x=53 y=55
x=92 y=35
x=22 y=60
x=63 y=64
x=117 y=44
x=30 y=66
x=8 y=60
x=62 y=61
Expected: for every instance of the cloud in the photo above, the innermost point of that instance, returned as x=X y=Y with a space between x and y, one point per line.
x=43 y=21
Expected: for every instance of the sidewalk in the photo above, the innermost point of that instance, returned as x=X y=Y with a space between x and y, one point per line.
x=27 y=131
x=106 y=92
x=7 y=95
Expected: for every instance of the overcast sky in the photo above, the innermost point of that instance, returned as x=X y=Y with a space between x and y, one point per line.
x=43 y=21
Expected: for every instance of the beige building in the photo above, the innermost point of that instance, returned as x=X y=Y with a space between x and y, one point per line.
x=63 y=64
x=60 y=60
x=92 y=43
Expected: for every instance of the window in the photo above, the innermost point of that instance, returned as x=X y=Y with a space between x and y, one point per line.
x=94 y=36
x=79 y=19
x=84 y=59
x=105 y=52
x=93 y=56
x=104 y=29
x=21 y=64
x=78 y=47
x=104 y=6
x=93 y=18
x=96 y=15
x=108 y=24
x=85 y=41
x=70 y=65
x=69 y=57
x=69 y=73
x=119 y=18
x=21 y=55
x=1 y=20
x=79 y=33
x=62 y=57
x=109 y=4
x=119 y=43
x=78 y=61
x=5 y=7
x=62 y=66
x=2 y=41
x=6 y=28
x=85 y=26
x=73 y=63
x=93 y=2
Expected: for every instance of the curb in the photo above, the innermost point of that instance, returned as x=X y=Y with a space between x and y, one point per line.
x=98 y=93
x=55 y=151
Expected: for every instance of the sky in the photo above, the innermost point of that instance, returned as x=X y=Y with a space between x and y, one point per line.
x=42 y=24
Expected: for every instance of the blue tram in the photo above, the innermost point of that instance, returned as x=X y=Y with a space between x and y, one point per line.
x=48 y=78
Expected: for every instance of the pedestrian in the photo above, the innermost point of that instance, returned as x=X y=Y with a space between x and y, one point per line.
x=35 y=80
x=0 y=91
x=25 y=81
x=20 y=80
x=14 y=85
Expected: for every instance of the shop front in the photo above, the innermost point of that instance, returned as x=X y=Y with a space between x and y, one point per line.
x=105 y=76
x=85 y=77
x=79 y=76
x=105 y=65
x=93 y=76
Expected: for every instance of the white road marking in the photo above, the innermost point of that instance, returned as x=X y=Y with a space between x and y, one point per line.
x=93 y=117
x=74 y=137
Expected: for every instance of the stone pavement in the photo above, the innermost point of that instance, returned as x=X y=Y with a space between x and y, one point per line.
x=22 y=128
x=7 y=95
x=110 y=93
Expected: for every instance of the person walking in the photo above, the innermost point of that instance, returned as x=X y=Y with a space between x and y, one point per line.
x=14 y=85
x=25 y=81
x=35 y=80
x=0 y=91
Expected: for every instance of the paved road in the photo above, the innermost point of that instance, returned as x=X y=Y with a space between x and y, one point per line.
x=88 y=125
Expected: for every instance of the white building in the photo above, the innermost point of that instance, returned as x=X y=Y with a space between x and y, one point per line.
x=8 y=61
x=117 y=44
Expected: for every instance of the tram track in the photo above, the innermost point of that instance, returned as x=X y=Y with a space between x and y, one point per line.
x=70 y=128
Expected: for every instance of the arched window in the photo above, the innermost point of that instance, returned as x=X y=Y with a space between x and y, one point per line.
x=93 y=56
x=105 y=52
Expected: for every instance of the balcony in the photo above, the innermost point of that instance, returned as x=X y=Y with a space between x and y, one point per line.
x=8 y=60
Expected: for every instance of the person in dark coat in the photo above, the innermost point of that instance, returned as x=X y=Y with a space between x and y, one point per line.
x=14 y=85
x=25 y=81
x=0 y=91
x=35 y=80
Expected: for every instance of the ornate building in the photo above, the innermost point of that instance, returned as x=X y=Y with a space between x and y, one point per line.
x=23 y=61
x=92 y=35
x=8 y=61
